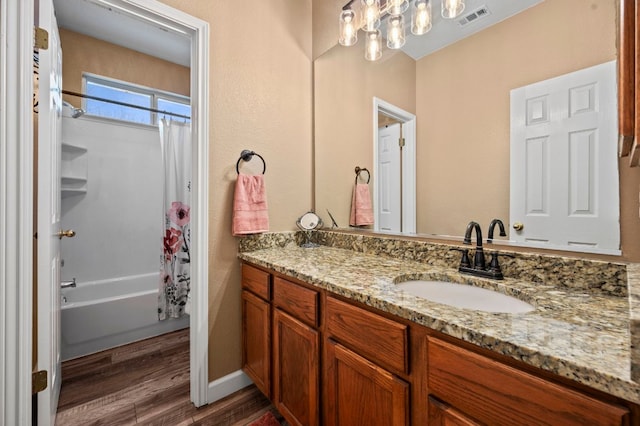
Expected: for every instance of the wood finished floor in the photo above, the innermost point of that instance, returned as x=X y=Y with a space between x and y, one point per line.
x=146 y=383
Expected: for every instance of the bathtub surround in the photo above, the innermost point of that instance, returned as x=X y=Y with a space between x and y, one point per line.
x=114 y=256
x=175 y=259
x=104 y=314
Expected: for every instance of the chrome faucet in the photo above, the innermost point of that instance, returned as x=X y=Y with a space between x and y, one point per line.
x=492 y=225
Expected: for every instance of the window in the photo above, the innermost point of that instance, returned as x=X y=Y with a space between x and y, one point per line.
x=128 y=93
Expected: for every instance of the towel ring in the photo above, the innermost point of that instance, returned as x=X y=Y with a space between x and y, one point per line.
x=247 y=155
x=358 y=170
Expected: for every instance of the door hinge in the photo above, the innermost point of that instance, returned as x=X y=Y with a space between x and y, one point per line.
x=42 y=39
x=38 y=381
x=401 y=142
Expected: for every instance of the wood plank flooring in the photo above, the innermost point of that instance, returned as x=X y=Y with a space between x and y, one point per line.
x=146 y=383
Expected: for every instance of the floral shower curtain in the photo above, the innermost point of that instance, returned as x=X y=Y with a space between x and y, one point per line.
x=175 y=272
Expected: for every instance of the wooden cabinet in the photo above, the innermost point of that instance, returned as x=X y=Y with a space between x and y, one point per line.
x=256 y=339
x=441 y=414
x=362 y=393
x=498 y=394
x=361 y=387
x=325 y=360
x=256 y=327
x=296 y=349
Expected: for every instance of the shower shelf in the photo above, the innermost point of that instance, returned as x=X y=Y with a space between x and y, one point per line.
x=74 y=170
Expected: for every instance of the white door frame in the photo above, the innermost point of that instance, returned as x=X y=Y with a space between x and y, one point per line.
x=16 y=209
x=408 y=164
x=16 y=192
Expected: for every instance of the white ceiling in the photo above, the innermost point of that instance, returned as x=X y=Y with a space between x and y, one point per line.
x=105 y=22
x=447 y=31
x=99 y=19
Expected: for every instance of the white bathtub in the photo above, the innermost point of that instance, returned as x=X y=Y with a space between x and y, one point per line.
x=98 y=315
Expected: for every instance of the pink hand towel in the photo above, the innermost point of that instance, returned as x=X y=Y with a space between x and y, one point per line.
x=250 y=215
x=361 y=209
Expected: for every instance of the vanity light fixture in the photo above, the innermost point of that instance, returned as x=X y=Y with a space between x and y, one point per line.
x=348 y=28
x=452 y=8
x=421 y=17
x=371 y=12
x=373 y=46
x=395 y=32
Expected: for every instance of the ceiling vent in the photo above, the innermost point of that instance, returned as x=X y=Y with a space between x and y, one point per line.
x=476 y=15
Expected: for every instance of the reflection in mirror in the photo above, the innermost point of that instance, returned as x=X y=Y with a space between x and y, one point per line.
x=460 y=95
x=394 y=159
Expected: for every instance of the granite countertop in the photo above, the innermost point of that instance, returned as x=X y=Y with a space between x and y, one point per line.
x=578 y=335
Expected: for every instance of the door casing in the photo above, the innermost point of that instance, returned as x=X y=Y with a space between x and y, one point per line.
x=17 y=186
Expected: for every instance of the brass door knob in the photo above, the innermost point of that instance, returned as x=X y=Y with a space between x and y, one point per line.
x=69 y=233
x=518 y=226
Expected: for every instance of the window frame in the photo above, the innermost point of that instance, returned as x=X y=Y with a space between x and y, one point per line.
x=154 y=94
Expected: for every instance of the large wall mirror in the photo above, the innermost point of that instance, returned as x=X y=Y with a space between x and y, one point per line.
x=460 y=95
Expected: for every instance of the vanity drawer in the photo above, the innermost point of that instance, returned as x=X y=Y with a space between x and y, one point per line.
x=256 y=281
x=495 y=393
x=301 y=302
x=385 y=342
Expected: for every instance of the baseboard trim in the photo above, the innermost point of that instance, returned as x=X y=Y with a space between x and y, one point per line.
x=227 y=385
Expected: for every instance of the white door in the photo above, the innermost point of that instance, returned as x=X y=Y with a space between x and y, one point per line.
x=48 y=213
x=389 y=179
x=564 y=169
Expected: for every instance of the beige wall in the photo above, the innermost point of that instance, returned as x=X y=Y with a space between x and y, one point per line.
x=260 y=98
x=82 y=53
x=345 y=84
x=325 y=24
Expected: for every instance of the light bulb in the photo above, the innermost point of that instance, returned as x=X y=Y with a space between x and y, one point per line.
x=452 y=8
x=371 y=14
x=373 y=47
x=398 y=7
x=421 y=17
x=395 y=32
x=348 y=29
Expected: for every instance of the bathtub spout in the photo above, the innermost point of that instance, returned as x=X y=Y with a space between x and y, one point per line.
x=68 y=284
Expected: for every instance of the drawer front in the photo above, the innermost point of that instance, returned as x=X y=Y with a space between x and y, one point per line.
x=497 y=394
x=378 y=339
x=256 y=281
x=298 y=301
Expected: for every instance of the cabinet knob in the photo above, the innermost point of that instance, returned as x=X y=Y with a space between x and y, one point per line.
x=518 y=226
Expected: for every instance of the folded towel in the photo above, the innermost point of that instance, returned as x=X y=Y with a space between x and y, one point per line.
x=250 y=215
x=361 y=209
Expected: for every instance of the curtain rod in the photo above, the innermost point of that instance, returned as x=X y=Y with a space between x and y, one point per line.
x=96 y=98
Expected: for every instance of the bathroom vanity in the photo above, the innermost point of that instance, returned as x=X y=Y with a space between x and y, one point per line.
x=330 y=339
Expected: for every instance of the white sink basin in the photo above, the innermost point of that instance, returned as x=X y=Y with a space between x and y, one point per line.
x=465 y=296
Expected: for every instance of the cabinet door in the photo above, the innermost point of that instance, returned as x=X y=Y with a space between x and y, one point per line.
x=441 y=414
x=296 y=369
x=359 y=392
x=256 y=341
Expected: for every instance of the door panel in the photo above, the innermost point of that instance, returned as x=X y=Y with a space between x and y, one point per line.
x=48 y=222
x=564 y=176
x=389 y=169
x=361 y=392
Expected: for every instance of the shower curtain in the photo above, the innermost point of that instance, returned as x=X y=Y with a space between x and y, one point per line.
x=175 y=272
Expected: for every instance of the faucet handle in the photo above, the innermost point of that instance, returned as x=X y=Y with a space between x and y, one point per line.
x=494 y=266
x=464 y=261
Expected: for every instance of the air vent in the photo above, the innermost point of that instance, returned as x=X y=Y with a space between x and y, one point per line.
x=476 y=15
